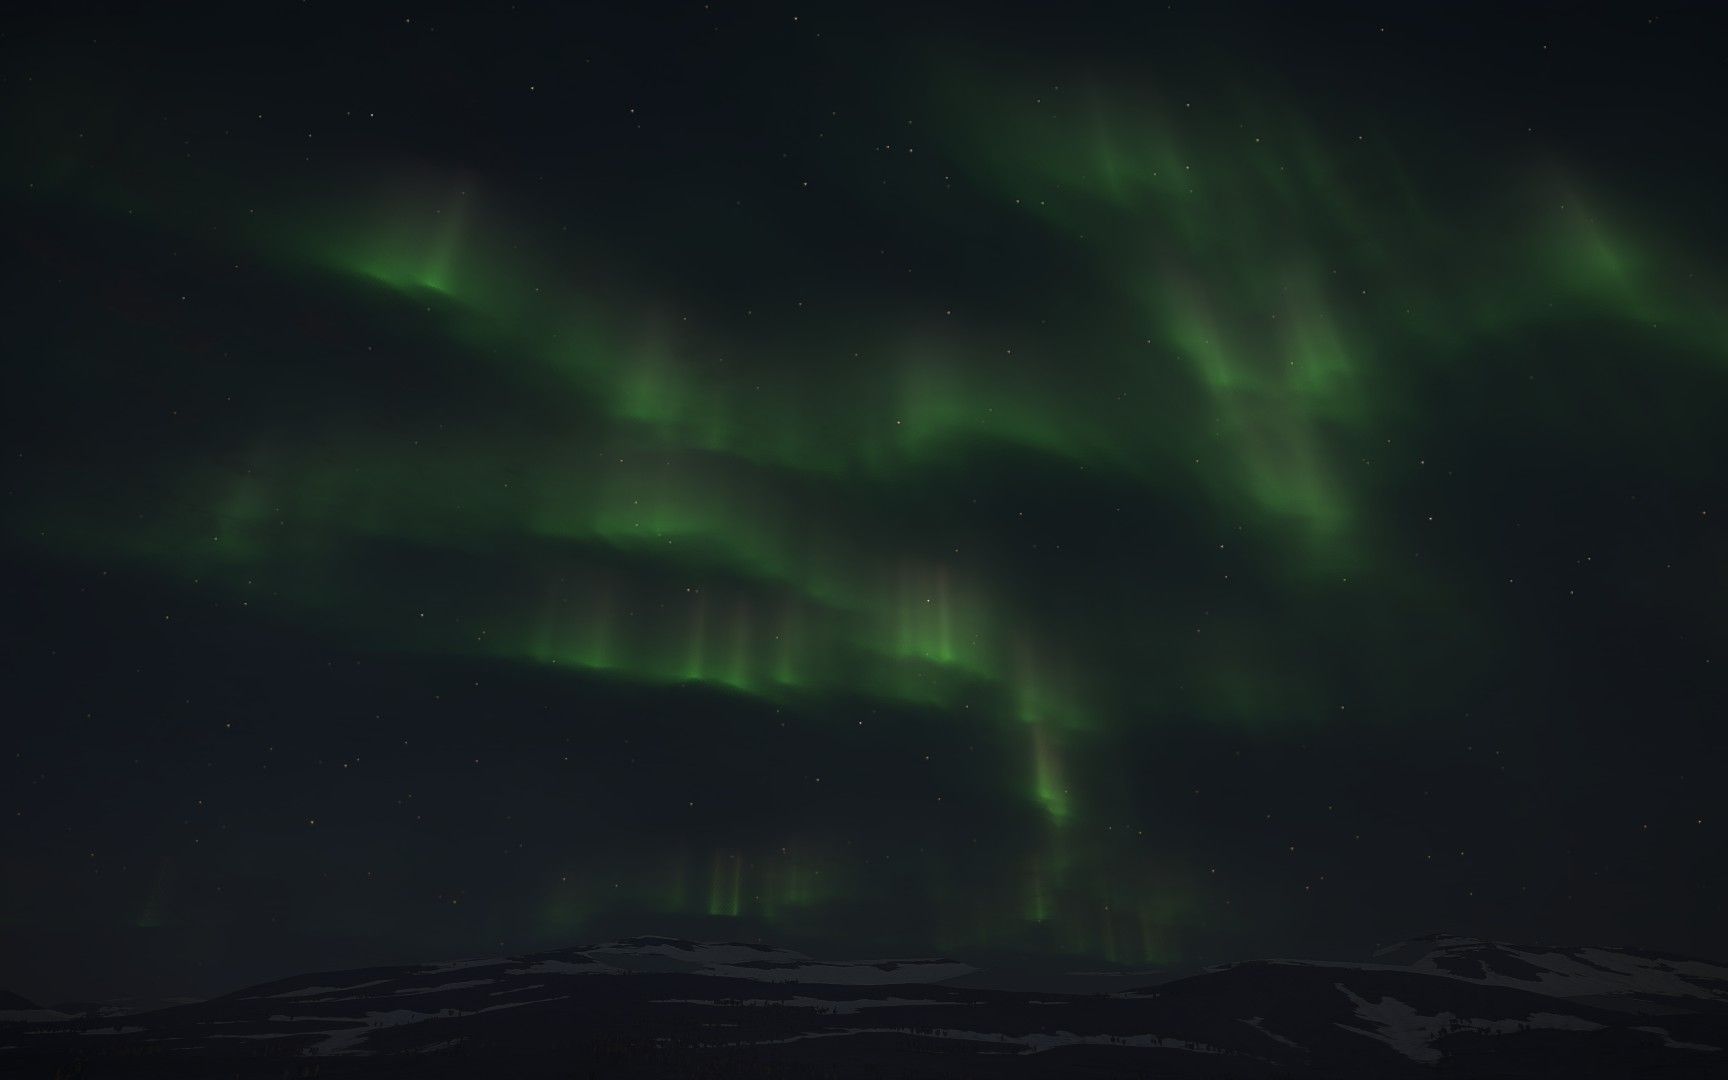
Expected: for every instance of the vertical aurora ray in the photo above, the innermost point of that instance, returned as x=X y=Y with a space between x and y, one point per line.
x=1048 y=785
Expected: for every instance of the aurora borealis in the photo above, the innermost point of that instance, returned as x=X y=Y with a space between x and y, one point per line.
x=1188 y=483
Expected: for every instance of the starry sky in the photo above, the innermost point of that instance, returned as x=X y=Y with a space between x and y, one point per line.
x=1092 y=491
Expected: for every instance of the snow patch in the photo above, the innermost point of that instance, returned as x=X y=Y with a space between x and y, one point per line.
x=31 y=1016
x=847 y=973
x=316 y=991
x=463 y=965
x=562 y=967
x=1572 y=972
x=1412 y=1033
x=1034 y=1043
x=1675 y=1044
x=838 y=1008
x=1258 y=1024
x=441 y=987
x=346 y=1040
x=695 y=952
x=765 y=963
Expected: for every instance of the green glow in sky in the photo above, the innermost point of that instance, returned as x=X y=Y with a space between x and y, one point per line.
x=1215 y=341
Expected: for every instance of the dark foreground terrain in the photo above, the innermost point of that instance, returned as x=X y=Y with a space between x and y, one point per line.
x=658 y=1007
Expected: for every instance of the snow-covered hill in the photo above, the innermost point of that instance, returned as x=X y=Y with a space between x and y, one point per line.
x=668 y=1007
x=21 y=1010
x=1565 y=972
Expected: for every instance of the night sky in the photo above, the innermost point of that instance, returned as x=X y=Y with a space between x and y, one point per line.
x=1066 y=488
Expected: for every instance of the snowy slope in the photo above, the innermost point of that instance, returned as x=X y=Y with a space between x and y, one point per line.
x=659 y=1006
x=1595 y=972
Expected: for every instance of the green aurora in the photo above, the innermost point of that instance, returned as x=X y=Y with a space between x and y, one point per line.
x=1235 y=315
